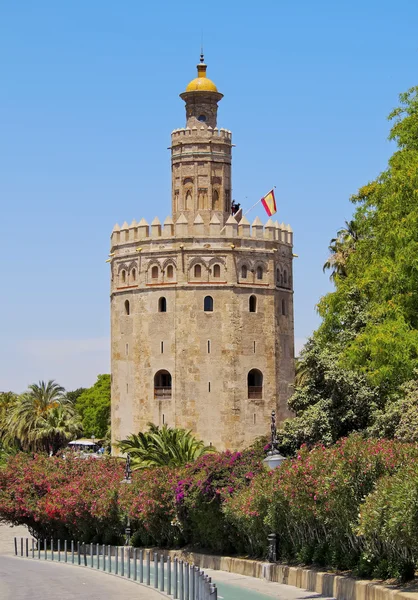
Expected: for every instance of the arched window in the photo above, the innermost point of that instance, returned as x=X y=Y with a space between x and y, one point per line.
x=133 y=274
x=255 y=384
x=253 y=304
x=278 y=276
x=216 y=271
x=123 y=274
x=259 y=272
x=283 y=306
x=170 y=272
x=244 y=271
x=162 y=304
x=208 y=304
x=127 y=307
x=285 y=277
x=197 y=271
x=162 y=385
x=154 y=272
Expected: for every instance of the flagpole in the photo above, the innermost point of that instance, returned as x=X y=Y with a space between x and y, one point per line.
x=253 y=206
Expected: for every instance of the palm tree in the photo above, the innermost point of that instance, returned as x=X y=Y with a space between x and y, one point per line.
x=57 y=427
x=30 y=411
x=165 y=446
x=341 y=247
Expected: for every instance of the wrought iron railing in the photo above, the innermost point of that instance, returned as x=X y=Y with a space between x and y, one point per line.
x=176 y=578
x=162 y=392
x=255 y=391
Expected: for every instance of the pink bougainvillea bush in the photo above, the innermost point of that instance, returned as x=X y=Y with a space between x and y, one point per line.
x=202 y=490
x=67 y=498
x=350 y=506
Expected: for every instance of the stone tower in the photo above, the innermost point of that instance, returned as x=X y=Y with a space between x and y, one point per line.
x=202 y=333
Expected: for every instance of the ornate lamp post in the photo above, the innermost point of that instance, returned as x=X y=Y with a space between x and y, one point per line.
x=273 y=460
x=128 y=479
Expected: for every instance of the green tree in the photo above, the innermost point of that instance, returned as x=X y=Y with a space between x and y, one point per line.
x=30 y=411
x=165 y=446
x=93 y=406
x=351 y=374
x=73 y=395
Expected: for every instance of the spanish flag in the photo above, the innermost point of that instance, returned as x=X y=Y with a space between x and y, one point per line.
x=269 y=203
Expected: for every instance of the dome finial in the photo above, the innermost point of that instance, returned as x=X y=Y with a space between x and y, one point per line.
x=202 y=58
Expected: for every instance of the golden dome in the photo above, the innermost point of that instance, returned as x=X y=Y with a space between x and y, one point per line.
x=201 y=83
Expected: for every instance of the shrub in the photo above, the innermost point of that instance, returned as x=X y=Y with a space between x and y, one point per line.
x=313 y=501
x=205 y=485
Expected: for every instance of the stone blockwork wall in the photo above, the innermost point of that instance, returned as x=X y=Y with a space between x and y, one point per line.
x=208 y=353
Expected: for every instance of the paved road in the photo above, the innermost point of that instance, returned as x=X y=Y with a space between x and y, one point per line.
x=23 y=579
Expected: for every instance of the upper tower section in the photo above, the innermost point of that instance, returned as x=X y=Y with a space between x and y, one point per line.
x=201 y=155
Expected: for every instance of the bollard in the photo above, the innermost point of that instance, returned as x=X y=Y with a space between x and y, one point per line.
x=84 y=553
x=78 y=554
x=122 y=561
x=52 y=549
x=109 y=554
x=72 y=551
x=98 y=556
x=141 y=566
x=155 y=570
x=135 y=565
x=148 y=568
x=15 y=546
x=21 y=546
x=196 y=582
x=45 y=551
x=65 y=550
x=162 y=573
x=128 y=549
x=181 y=574
x=116 y=560
x=91 y=555
x=186 y=580
x=59 y=550
x=168 y=575
x=33 y=548
x=176 y=576
x=27 y=547
x=191 y=584
x=104 y=557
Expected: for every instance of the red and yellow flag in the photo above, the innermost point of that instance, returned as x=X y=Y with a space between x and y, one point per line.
x=269 y=203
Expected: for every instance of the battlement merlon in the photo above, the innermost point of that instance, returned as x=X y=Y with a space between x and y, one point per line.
x=272 y=232
x=201 y=132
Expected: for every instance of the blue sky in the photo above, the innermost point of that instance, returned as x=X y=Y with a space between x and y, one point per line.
x=88 y=98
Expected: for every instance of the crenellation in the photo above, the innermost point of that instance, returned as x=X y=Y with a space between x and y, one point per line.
x=269 y=230
x=143 y=229
x=214 y=226
x=181 y=226
x=198 y=228
x=168 y=227
x=257 y=229
x=231 y=228
x=156 y=228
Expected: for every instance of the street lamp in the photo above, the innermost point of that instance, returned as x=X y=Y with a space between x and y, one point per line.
x=272 y=461
x=128 y=479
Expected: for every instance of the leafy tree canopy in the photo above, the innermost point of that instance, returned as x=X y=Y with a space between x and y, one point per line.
x=352 y=373
x=93 y=405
